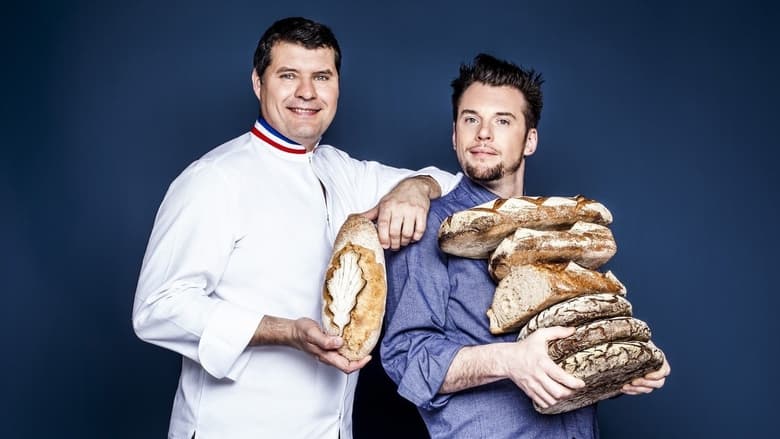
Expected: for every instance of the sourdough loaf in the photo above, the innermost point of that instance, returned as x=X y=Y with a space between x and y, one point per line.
x=605 y=368
x=578 y=311
x=355 y=288
x=589 y=245
x=476 y=232
x=528 y=289
x=597 y=332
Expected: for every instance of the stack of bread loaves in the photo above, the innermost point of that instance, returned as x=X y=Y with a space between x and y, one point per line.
x=543 y=253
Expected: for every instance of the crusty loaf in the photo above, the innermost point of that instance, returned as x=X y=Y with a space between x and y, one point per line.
x=578 y=311
x=355 y=288
x=605 y=368
x=588 y=244
x=476 y=232
x=597 y=332
x=528 y=289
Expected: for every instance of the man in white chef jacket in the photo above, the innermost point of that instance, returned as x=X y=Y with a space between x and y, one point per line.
x=233 y=271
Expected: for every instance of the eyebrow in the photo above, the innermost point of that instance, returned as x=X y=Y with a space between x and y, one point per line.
x=500 y=113
x=285 y=69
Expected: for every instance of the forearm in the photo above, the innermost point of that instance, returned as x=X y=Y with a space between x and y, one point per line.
x=474 y=366
x=273 y=331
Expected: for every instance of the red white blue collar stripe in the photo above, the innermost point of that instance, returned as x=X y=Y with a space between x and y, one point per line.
x=263 y=131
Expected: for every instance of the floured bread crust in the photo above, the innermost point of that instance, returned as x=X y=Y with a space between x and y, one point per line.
x=587 y=244
x=476 y=232
x=355 y=289
x=528 y=289
x=605 y=368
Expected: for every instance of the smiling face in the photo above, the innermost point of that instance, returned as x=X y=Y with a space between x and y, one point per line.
x=491 y=139
x=299 y=92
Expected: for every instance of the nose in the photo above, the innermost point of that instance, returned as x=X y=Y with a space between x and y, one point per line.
x=306 y=89
x=484 y=132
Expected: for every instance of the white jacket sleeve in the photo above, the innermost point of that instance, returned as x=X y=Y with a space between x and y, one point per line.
x=375 y=180
x=191 y=242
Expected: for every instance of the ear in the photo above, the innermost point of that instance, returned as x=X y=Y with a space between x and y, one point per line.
x=531 y=140
x=256 y=82
x=454 y=136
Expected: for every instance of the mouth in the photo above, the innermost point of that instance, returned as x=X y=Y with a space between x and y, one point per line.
x=302 y=111
x=482 y=151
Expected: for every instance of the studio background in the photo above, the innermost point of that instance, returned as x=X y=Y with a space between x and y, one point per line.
x=664 y=111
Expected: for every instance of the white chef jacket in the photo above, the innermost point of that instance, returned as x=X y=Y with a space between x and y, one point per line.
x=245 y=231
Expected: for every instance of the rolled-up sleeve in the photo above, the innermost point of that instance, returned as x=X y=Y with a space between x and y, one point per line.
x=415 y=351
x=191 y=242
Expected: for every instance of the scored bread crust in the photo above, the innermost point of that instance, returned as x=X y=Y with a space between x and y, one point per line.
x=597 y=332
x=358 y=235
x=528 y=289
x=578 y=311
x=476 y=232
x=589 y=245
x=605 y=369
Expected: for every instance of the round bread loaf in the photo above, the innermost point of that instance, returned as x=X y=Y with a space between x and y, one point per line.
x=605 y=368
x=597 y=332
x=578 y=311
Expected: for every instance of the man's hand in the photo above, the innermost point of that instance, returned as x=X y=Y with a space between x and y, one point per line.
x=401 y=214
x=648 y=383
x=305 y=335
x=526 y=363
x=529 y=366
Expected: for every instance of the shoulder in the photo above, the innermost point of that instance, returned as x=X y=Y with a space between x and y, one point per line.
x=330 y=152
x=214 y=172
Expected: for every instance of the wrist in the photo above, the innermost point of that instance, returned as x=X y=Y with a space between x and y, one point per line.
x=273 y=331
x=432 y=188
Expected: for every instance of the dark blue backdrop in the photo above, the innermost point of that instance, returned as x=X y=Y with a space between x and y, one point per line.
x=664 y=112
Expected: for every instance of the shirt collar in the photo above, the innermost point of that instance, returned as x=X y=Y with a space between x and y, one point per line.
x=265 y=132
x=478 y=194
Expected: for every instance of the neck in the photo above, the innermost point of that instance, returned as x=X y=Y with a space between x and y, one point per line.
x=508 y=186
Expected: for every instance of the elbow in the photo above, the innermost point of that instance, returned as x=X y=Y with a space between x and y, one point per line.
x=140 y=319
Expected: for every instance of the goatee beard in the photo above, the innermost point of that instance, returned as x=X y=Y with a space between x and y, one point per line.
x=491 y=174
x=481 y=174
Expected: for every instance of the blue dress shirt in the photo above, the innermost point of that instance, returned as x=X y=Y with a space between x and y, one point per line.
x=436 y=305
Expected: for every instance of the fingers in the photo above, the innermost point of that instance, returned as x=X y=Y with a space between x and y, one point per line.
x=371 y=214
x=333 y=358
x=537 y=375
x=646 y=384
x=631 y=389
x=324 y=347
x=554 y=332
x=419 y=226
x=399 y=228
x=383 y=227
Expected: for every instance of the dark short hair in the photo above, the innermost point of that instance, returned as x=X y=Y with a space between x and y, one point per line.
x=296 y=30
x=492 y=71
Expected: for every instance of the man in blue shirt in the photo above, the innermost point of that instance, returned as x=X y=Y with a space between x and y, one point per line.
x=437 y=345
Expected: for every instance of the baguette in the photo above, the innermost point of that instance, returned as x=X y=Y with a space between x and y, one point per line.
x=528 y=289
x=476 y=232
x=355 y=288
x=588 y=244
